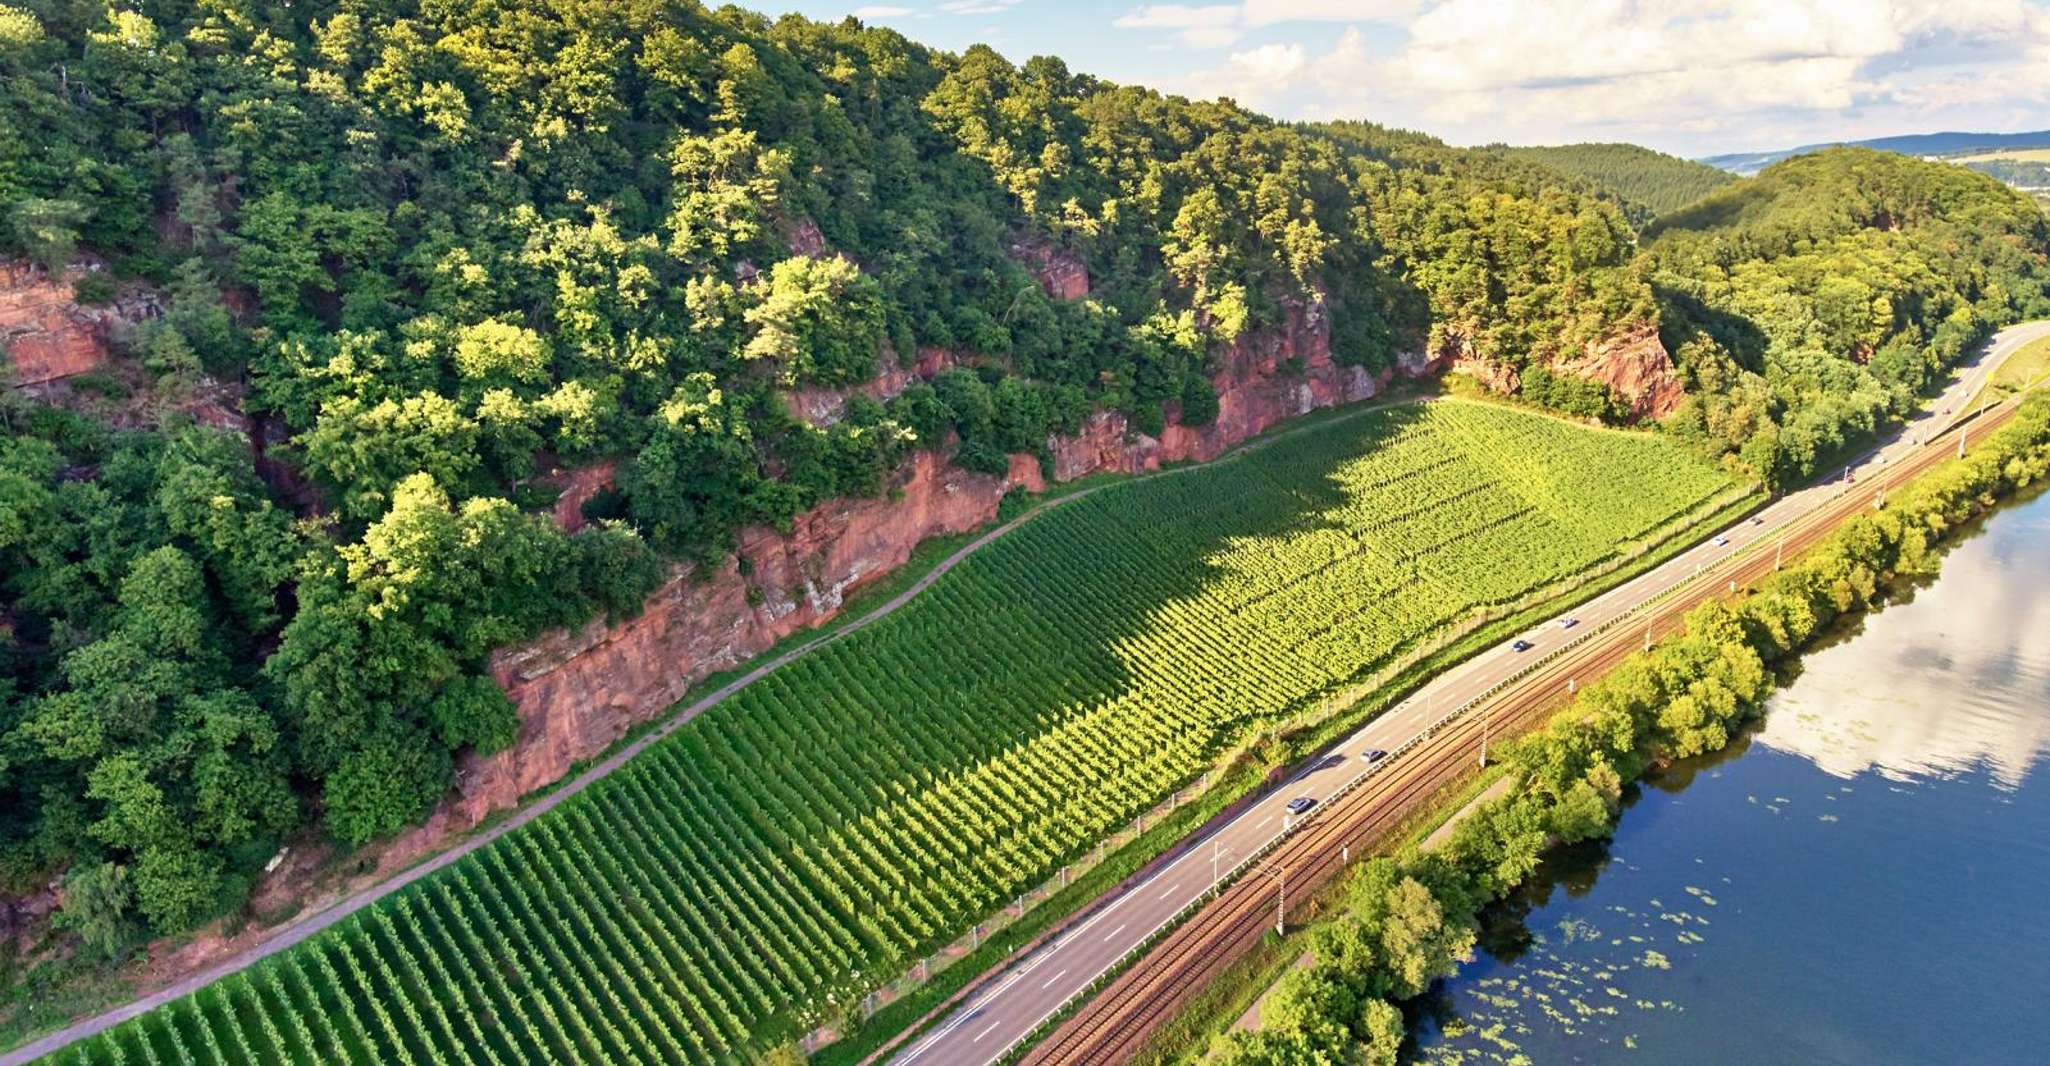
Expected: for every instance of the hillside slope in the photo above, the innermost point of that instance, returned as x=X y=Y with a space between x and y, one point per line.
x=514 y=314
x=430 y=263
x=1654 y=182
x=1946 y=143
x=756 y=873
x=1820 y=299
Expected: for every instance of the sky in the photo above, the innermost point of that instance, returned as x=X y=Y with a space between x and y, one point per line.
x=1693 y=77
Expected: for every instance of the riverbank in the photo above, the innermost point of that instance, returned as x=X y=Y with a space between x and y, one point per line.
x=1880 y=821
x=1407 y=919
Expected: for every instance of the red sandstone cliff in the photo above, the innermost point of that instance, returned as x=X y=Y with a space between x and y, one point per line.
x=1063 y=276
x=48 y=334
x=1632 y=362
x=1635 y=364
x=578 y=691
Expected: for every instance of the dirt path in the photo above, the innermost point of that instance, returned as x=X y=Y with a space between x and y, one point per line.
x=303 y=928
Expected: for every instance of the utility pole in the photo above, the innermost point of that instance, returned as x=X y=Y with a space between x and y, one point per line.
x=1280 y=875
x=1484 y=738
x=1779 y=550
x=1647 y=635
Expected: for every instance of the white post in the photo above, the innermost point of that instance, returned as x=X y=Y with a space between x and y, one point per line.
x=1281 y=905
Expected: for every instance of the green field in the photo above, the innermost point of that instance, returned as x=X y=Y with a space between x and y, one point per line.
x=2022 y=155
x=2024 y=368
x=809 y=837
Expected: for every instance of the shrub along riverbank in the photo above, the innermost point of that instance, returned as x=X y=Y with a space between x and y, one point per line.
x=1408 y=919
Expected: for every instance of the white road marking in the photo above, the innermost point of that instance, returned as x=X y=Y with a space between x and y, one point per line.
x=1115 y=932
x=992 y=1028
x=1055 y=977
x=1167 y=893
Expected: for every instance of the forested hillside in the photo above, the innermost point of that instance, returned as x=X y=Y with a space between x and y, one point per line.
x=431 y=250
x=1811 y=303
x=435 y=248
x=1652 y=182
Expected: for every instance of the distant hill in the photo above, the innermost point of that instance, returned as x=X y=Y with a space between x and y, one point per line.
x=1949 y=143
x=1654 y=181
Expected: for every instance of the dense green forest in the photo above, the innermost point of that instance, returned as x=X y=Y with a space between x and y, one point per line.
x=442 y=246
x=437 y=248
x=1649 y=183
x=2026 y=173
x=1810 y=304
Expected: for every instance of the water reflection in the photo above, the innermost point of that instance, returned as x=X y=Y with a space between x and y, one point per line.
x=1856 y=880
x=1954 y=682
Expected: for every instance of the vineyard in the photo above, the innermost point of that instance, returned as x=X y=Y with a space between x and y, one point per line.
x=774 y=859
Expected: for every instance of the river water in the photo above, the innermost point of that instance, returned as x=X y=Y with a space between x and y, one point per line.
x=1861 y=879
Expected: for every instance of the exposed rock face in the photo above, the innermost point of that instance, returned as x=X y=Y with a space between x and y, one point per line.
x=1637 y=366
x=1632 y=361
x=805 y=239
x=823 y=407
x=1061 y=274
x=579 y=484
x=578 y=691
x=50 y=336
x=1254 y=393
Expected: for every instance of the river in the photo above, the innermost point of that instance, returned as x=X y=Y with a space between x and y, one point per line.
x=1858 y=879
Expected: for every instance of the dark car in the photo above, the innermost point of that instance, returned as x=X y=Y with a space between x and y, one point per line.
x=1300 y=804
x=1373 y=755
x=1521 y=645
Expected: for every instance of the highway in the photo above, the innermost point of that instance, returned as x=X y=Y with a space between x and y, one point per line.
x=1012 y=1004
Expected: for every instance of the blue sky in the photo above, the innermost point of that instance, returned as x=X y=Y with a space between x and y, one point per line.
x=1688 y=76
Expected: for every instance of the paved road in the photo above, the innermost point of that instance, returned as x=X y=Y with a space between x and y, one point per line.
x=989 y=1021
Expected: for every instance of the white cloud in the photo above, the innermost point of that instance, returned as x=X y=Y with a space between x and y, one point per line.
x=977 y=7
x=881 y=11
x=1271 y=12
x=1271 y=62
x=1217 y=25
x=1208 y=26
x=1678 y=73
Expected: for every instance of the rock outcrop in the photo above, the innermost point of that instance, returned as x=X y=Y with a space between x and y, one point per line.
x=1635 y=365
x=823 y=407
x=1063 y=276
x=579 y=691
x=48 y=334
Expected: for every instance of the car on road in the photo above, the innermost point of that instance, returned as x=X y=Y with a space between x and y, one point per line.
x=1300 y=804
x=1373 y=755
x=1568 y=622
x=1757 y=521
x=1721 y=542
x=1521 y=645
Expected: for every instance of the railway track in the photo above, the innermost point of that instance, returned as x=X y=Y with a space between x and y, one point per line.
x=1112 y=1025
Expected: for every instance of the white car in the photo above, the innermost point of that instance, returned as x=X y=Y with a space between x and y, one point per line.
x=1721 y=541
x=1568 y=623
